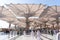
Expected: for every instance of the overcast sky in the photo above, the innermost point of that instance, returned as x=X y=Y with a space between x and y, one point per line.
x=46 y=2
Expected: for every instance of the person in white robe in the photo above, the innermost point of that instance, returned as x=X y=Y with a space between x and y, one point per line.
x=32 y=33
x=24 y=33
x=38 y=35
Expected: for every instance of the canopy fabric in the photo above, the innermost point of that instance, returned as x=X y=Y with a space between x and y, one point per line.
x=17 y=13
x=24 y=9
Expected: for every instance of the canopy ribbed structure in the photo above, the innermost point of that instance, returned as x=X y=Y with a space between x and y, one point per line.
x=26 y=11
x=30 y=15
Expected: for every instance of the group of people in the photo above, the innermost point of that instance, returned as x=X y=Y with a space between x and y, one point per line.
x=42 y=30
x=49 y=31
x=33 y=34
x=36 y=34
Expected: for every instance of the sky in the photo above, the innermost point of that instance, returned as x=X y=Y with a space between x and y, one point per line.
x=46 y=2
x=4 y=24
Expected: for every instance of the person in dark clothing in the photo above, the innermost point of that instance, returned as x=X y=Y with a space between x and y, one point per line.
x=52 y=32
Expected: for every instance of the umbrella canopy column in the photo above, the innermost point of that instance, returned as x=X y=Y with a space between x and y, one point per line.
x=27 y=23
x=9 y=25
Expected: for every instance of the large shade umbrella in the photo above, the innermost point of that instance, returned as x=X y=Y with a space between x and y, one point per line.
x=1 y=12
x=8 y=16
x=55 y=13
x=27 y=10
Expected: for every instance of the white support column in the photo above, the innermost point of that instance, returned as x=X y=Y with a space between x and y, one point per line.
x=9 y=30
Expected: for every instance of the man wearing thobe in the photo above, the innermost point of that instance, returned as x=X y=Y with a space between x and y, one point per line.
x=38 y=35
x=32 y=33
x=24 y=33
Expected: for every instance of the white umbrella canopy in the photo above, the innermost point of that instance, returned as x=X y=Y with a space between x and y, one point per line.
x=1 y=10
x=19 y=23
x=52 y=14
x=16 y=11
x=7 y=13
x=22 y=9
x=53 y=11
x=8 y=19
x=21 y=19
x=56 y=14
x=26 y=10
x=11 y=20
